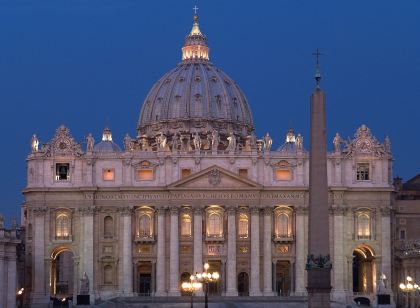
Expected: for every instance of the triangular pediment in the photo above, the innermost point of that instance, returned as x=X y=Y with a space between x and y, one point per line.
x=215 y=177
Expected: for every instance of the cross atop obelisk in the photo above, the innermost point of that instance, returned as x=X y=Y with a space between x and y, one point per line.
x=195 y=8
x=317 y=54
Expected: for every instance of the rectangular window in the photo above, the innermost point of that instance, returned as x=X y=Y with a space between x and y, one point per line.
x=145 y=174
x=283 y=175
x=108 y=174
x=402 y=234
x=243 y=173
x=362 y=172
x=62 y=172
x=185 y=172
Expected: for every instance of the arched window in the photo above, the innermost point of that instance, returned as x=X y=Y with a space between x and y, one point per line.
x=145 y=225
x=186 y=225
x=283 y=225
x=215 y=225
x=243 y=226
x=108 y=275
x=62 y=227
x=108 y=227
x=363 y=226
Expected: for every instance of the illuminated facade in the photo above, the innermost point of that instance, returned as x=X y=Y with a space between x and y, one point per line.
x=197 y=185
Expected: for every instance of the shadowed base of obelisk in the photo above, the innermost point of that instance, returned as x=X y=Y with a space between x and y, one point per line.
x=319 y=287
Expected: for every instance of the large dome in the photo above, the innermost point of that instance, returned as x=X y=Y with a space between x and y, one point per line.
x=195 y=96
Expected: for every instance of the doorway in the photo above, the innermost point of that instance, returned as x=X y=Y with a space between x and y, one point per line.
x=62 y=273
x=214 y=287
x=243 y=284
x=144 y=278
x=282 y=284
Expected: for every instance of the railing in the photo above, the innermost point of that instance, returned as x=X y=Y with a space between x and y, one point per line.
x=283 y=238
x=144 y=238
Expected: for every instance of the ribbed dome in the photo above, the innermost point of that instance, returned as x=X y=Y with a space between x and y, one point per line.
x=195 y=96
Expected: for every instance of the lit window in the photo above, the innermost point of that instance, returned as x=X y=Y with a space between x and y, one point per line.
x=283 y=175
x=282 y=225
x=62 y=172
x=185 y=172
x=362 y=172
x=214 y=225
x=62 y=227
x=145 y=226
x=186 y=225
x=108 y=279
x=363 y=226
x=108 y=227
x=243 y=226
x=243 y=173
x=145 y=174
x=108 y=174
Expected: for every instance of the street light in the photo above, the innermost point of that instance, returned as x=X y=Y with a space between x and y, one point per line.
x=409 y=287
x=192 y=287
x=206 y=277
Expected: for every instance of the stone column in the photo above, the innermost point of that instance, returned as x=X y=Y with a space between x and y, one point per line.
x=267 y=261
x=127 y=253
x=339 y=265
x=255 y=288
x=300 y=287
x=174 y=254
x=11 y=280
x=231 y=288
x=386 y=244
x=87 y=214
x=198 y=244
x=40 y=295
x=2 y=289
x=161 y=254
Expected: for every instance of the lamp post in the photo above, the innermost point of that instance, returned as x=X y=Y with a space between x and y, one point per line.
x=409 y=287
x=205 y=278
x=191 y=287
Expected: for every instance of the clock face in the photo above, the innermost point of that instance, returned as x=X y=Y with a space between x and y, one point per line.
x=364 y=145
x=62 y=145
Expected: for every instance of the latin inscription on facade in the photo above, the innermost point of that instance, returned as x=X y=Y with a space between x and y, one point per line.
x=214 y=250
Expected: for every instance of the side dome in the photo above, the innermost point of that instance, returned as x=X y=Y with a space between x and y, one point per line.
x=195 y=96
x=106 y=145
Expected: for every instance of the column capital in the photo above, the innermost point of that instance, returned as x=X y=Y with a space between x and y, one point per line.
x=338 y=211
x=231 y=210
x=385 y=211
x=197 y=211
x=301 y=210
x=174 y=210
x=87 y=211
x=126 y=211
x=161 y=210
x=255 y=210
x=39 y=211
x=268 y=211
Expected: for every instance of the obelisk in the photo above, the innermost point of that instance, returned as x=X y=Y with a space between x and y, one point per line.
x=318 y=263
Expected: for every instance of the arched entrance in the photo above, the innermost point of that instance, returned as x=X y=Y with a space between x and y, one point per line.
x=364 y=270
x=62 y=273
x=243 y=284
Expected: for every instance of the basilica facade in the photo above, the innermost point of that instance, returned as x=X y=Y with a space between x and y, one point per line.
x=196 y=185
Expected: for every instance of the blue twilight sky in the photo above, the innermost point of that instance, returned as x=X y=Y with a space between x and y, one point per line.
x=90 y=63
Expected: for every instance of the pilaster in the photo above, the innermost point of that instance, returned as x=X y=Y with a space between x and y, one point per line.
x=231 y=289
x=174 y=254
x=127 y=246
x=255 y=288
x=161 y=254
x=267 y=260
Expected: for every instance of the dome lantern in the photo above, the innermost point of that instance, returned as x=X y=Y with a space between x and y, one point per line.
x=195 y=46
